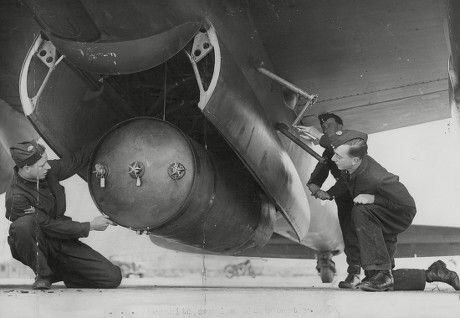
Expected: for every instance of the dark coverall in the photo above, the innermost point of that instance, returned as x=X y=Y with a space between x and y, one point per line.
x=377 y=225
x=344 y=205
x=46 y=240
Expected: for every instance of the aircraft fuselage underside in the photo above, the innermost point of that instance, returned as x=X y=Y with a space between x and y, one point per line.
x=189 y=150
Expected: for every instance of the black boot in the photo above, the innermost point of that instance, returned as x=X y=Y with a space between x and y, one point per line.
x=350 y=282
x=381 y=281
x=367 y=277
x=42 y=283
x=438 y=272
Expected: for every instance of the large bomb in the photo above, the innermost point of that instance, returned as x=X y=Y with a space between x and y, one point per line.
x=147 y=175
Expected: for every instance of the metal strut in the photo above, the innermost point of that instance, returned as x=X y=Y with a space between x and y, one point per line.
x=312 y=98
x=284 y=129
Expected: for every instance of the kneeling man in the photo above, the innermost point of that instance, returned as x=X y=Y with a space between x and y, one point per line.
x=40 y=235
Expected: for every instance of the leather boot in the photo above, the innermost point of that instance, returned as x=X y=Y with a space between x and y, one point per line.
x=350 y=282
x=41 y=283
x=381 y=281
x=438 y=272
x=367 y=277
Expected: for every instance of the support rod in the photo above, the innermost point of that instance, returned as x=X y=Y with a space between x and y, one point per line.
x=311 y=98
x=287 y=84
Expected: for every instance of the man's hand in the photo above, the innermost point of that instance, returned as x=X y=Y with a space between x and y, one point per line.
x=307 y=132
x=364 y=199
x=323 y=195
x=29 y=210
x=100 y=223
x=313 y=188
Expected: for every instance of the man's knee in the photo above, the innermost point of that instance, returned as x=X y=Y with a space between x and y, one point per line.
x=113 y=278
x=23 y=227
x=363 y=215
x=359 y=213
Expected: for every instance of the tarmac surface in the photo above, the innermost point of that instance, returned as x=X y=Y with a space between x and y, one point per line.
x=194 y=296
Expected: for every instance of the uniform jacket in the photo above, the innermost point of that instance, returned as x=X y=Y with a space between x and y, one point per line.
x=371 y=178
x=47 y=198
x=321 y=172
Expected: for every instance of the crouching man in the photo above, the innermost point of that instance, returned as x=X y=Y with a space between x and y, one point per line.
x=40 y=235
x=383 y=207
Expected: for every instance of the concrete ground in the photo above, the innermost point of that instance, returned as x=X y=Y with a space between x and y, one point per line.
x=203 y=296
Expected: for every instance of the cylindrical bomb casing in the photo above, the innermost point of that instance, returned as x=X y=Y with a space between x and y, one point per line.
x=155 y=178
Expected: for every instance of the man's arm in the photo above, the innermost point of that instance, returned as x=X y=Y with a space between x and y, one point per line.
x=338 y=189
x=392 y=195
x=62 y=228
x=65 y=229
x=18 y=205
x=69 y=165
x=319 y=175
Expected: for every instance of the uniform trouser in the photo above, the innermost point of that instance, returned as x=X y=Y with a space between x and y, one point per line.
x=377 y=229
x=351 y=250
x=71 y=261
x=409 y=279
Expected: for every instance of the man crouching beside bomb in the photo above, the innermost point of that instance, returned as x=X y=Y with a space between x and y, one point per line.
x=40 y=235
x=383 y=208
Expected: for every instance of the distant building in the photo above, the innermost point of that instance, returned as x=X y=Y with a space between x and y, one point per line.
x=14 y=269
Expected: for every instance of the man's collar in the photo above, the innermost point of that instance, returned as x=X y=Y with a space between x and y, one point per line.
x=363 y=165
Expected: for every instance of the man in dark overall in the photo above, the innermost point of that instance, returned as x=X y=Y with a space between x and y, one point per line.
x=383 y=209
x=330 y=124
x=40 y=235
